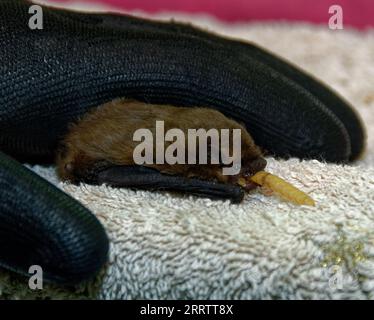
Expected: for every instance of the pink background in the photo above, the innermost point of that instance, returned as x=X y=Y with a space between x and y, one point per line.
x=357 y=13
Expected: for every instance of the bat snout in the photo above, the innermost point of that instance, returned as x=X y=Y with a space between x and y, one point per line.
x=254 y=166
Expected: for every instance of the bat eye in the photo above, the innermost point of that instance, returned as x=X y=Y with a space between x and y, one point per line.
x=69 y=167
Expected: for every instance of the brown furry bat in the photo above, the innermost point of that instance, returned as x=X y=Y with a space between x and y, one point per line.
x=104 y=137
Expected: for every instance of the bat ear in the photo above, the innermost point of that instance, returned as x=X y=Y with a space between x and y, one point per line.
x=150 y=179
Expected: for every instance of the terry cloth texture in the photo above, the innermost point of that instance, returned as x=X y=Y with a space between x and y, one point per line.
x=173 y=247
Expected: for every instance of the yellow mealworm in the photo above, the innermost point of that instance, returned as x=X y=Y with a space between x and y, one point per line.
x=282 y=188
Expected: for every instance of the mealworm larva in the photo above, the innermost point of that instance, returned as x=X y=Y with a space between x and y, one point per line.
x=282 y=188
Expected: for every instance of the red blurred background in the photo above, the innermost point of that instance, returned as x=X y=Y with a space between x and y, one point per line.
x=356 y=13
